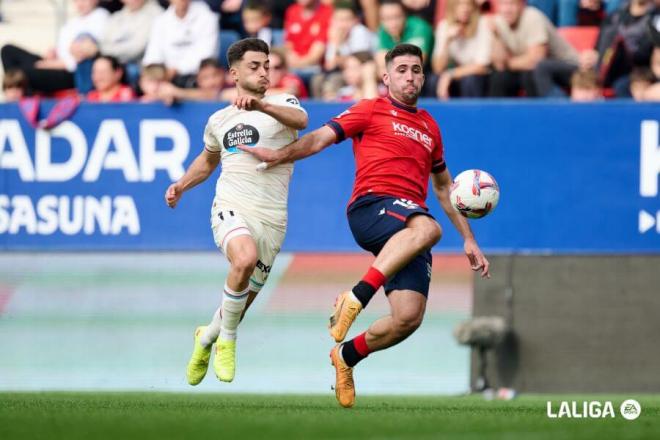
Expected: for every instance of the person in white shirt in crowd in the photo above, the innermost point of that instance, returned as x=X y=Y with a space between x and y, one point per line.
x=256 y=16
x=461 y=57
x=181 y=37
x=54 y=70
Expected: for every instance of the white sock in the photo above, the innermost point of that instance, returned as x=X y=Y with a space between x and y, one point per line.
x=212 y=330
x=233 y=304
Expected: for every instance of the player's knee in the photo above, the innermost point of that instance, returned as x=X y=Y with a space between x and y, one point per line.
x=406 y=324
x=245 y=263
x=427 y=232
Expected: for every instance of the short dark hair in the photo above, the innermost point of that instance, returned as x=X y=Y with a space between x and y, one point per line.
x=237 y=50
x=392 y=2
x=347 y=5
x=209 y=62
x=262 y=6
x=14 y=78
x=403 y=49
x=114 y=62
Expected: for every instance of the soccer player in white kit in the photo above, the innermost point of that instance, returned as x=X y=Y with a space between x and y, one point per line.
x=249 y=213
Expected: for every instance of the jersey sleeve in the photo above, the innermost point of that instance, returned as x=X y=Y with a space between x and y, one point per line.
x=210 y=140
x=438 y=164
x=286 y=100
x=352 y=121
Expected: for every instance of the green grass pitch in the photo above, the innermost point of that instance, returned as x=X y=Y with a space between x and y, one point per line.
x=71 y=416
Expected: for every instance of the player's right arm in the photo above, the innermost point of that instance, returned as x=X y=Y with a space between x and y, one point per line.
x=348 y=124
x=198 y=171
x=307 y=145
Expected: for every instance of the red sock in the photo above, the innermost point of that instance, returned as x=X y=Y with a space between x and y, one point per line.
x=374 y=278
x=360 y=342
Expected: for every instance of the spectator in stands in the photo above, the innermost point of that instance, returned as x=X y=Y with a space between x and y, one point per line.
x=54 y=71
x=463 y=40
x=523 y=37
x=209 y=85
x=396 y=27
x=424 y=9
x=125 y=38
x=127 y=32
x=181 y=37
x=256 y=18
x=369 y=12
x=585 y=86
x=305 y=35
x=107 y=75
x=346 y=36
x=623 y=43
x=281 y=80
x=359 y=79
x=152 y=78
x=645 y=82
x=14 y=85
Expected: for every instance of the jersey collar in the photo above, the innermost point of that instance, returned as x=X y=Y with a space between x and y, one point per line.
x=401 y=105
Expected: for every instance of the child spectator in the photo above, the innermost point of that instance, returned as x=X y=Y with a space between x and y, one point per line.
x=359 y=79
x=107 y=74
x=256 y=18
x=14 y=85
x=463 y=40
x=152 y=79
x=585 y=86
x=281 y=80
x=209 y=85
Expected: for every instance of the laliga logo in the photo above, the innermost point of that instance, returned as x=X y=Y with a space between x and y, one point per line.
x=629 y=409
x=649 y=168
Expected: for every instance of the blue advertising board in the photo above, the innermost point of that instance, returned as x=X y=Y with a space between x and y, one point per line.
x=573 y=178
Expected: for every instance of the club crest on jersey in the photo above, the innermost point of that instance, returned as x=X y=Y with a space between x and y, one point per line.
x=394 y=113
x=401 y=129
x=241 y=134
x=293 y=101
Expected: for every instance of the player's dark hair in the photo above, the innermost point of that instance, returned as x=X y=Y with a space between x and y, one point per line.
x=346 y=4
x=403 y=49
x=237 y=50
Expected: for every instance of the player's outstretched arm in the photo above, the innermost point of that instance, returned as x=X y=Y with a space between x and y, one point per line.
x=197 y=172
x=289 y=116
x=311 y=143
x=441 y=185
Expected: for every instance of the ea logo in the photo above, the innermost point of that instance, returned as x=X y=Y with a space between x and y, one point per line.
x=630 y=409
x=241 y=134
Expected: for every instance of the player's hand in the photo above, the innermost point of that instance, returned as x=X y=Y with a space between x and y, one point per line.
x=248 y=103
x=268 y=157
x=173 y=194
x=477 y=260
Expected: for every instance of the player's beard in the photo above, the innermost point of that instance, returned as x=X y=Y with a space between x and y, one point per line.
x=410 y=97
x=257 y=88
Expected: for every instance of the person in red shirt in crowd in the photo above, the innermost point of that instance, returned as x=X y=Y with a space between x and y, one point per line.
x=305 y=34
x=397 y=147
x=281 y=80
x=106 y=77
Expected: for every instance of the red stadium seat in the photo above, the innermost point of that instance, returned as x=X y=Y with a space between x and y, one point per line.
x=580 y=37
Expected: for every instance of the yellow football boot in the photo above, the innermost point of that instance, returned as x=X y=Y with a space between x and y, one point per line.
x=199 y=361
x=224 y=362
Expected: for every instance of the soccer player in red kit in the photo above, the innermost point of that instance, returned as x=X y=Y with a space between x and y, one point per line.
x=397 y=148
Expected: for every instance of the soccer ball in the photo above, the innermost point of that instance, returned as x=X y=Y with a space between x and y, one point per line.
x=474 y=193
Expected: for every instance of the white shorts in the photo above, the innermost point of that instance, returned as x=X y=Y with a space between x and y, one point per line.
x=229 y=223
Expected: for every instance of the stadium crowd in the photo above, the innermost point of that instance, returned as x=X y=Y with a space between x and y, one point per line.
x=149 y=50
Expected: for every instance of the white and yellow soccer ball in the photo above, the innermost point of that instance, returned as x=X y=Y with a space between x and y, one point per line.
x=474 y=193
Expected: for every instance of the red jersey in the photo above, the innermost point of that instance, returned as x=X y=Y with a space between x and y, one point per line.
x=396 y=148
x=302 y=32
x=122 y=94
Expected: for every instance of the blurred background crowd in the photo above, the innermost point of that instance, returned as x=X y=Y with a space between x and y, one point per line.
x=174 y=50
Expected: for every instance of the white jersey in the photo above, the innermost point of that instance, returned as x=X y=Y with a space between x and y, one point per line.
x=261 y=194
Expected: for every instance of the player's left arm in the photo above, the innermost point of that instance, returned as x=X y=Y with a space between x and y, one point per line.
x=441 y=182
x=290 y=116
